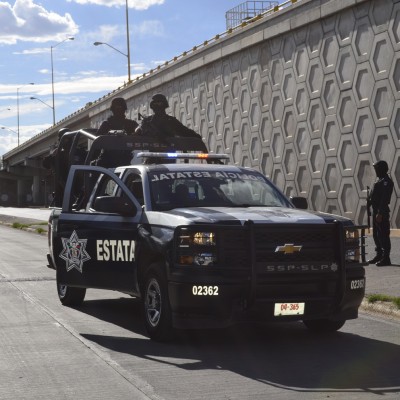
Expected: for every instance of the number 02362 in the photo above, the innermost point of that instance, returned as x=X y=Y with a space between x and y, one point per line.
x=289 y=309
x=199 y=290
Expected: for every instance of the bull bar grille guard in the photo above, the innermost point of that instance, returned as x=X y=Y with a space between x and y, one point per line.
x=250 y=248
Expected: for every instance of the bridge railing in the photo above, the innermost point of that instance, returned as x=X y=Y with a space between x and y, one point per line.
x=205 y=43
x=179 y=57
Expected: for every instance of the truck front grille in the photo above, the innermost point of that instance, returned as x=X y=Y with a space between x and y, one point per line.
x=279 y=245
x=277 y=261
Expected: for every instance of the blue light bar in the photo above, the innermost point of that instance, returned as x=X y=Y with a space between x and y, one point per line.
x=190 y=156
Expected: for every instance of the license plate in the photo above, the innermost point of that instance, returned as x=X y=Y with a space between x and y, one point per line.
x=289 y=309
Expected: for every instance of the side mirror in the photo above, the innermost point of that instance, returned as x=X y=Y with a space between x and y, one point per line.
x=299 y=202
x=114 y=205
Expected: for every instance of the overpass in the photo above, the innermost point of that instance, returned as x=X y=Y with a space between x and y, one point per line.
x=307 y=92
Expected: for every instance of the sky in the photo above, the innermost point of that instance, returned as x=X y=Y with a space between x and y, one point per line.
x=32 y=30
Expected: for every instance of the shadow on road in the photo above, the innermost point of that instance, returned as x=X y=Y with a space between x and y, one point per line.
x=281 y=354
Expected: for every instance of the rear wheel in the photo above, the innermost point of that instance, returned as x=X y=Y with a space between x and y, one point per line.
x=70 y=296
x=156 y=307
x=324 y=325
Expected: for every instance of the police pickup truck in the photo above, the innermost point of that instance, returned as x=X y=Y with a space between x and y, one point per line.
x=203 y=245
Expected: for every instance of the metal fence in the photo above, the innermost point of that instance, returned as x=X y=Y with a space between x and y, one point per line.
x=246 y=11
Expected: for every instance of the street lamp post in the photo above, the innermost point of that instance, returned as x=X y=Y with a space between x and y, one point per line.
x=127 y=41
x=9 y=129
x=128 y=54
x=52 y=75
x=120 y=52
x=48 y=105
x=31 y=83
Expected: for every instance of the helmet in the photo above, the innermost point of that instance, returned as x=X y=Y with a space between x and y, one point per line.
x=61 y=132
x=381 y=166
x=118 y=102
x=159 y=98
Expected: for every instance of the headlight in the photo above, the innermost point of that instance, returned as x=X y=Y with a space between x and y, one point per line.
x=353 y=234
x=197 y=238
x=204 y=238
x=352 y=246
x=196 y=248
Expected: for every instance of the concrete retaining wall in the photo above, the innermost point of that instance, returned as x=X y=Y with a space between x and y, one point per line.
x=309 y=95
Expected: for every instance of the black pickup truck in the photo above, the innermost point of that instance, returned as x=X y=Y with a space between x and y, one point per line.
x=203 y=245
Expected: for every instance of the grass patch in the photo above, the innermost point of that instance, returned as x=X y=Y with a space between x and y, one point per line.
x=18 y=225
x=373 y=298
x=396 y=301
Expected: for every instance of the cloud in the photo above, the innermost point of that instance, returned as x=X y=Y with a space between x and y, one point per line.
x=107 y=33
x=30 y=22
x=9 y=139
x=149 y=28
x=135 y=4
x=94 y=84
x=85 y=82
x=37 y=50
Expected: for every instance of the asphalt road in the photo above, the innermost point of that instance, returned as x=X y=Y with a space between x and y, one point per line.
x=100 y=351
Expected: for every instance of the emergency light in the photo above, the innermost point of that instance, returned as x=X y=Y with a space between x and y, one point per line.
x=187 y=156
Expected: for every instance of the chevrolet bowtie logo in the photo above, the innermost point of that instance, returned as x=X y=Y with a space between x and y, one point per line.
x=288 y=248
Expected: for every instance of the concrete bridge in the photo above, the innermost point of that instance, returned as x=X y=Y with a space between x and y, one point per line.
x=307 y=93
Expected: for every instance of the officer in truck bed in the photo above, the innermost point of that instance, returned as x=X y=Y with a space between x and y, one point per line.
x=116 y=122
x=162 y=125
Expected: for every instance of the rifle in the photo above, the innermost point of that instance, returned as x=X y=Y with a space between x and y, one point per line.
x=368 y=210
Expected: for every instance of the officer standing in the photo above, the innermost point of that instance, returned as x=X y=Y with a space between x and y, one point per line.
x=379 y=200
x=162 y=125
x=57 y=163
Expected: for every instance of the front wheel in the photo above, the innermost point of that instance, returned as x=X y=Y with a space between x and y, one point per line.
x=156 y=307
x=70 y=296
x=323 y=325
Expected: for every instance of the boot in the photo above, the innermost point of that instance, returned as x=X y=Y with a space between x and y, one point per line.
x=384 y=262
x=374 y=260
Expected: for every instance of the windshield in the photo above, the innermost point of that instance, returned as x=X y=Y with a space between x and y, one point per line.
x=213 y=189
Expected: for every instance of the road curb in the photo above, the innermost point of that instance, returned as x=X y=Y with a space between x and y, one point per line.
x=385 y=308
x=33 y=227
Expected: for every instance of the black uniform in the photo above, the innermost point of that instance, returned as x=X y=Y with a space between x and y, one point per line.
x=164 y=126
x=57 y=163
x=379 y=200
x=116 y=122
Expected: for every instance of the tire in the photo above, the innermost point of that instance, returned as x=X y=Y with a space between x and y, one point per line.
x=323 y=325
x=156 y=307
x=70 y=296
